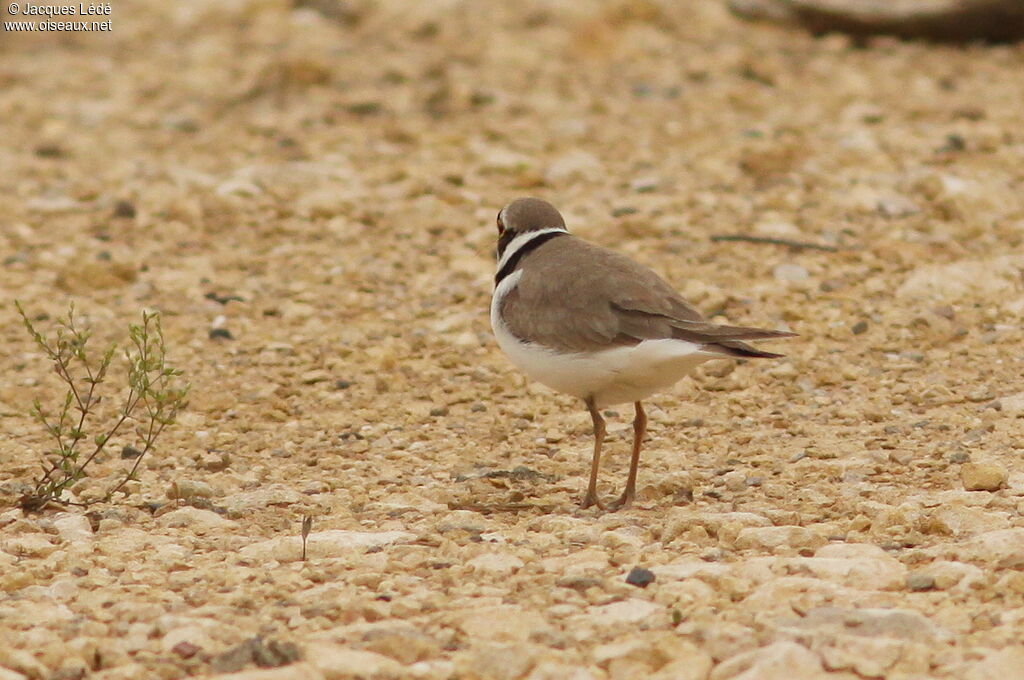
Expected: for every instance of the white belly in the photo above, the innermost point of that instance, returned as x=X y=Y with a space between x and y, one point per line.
x=611 y=376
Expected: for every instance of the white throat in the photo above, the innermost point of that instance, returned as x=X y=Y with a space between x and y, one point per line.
x=517 y=243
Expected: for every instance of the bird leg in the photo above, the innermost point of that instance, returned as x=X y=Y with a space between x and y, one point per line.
x=639 y=430
x=591 y=497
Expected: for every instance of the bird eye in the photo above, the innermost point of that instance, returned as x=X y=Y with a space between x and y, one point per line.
x=501 y=225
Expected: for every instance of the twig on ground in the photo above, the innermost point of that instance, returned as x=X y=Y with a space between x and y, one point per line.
x=772 y=240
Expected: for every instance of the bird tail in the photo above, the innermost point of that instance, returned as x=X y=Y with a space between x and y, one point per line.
x=739 y=350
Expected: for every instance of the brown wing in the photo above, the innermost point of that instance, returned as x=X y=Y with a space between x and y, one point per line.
x=576 y=296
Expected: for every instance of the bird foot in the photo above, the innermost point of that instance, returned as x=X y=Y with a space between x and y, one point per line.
x=591 y=500
x=623 y=502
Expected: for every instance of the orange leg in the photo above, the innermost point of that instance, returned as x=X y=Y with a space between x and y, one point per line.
x=639 y=430
x=591 y=497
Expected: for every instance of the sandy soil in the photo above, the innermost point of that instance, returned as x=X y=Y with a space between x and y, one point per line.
x=331 y=173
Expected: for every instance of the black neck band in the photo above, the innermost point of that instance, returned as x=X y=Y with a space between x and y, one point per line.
x=527 y=248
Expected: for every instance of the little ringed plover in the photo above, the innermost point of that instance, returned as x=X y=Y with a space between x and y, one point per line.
x=596 y=325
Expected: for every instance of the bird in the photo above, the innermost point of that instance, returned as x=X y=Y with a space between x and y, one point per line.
x=594 y=324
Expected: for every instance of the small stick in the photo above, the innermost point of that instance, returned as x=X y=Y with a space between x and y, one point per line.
x=771 y=240
x=307 y=524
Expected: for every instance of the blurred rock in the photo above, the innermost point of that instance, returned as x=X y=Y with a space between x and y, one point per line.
x=993 y=279
x=772 y=538
x=778 y=661
x=790 y=272
x=983 y=476
x=195 y=518
x=1003 y=548
x=340 y=663
x=496 y=563
x=72 y=527
x=84 y=277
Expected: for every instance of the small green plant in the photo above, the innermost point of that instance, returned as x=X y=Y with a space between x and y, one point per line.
x=80 y=432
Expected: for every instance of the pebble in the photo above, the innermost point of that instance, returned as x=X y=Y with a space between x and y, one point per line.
x=1012 y=405
x=983 y=476
x=73 y=528
x=640 y=577
x=773 y=538
x=631 y=611
x=895 y=205
x=962 y=280
x=28 y=545
x=777 y=661
x=196 y=636
x=791 y=272
x=84 y=277
x=256 y=650
x=187 y=489
x=496 y=662
x=196 y=519
x=496 y=563
x=405 y=646
x=517 y=624
x=643 y=185
x=340 y=663
x=918 y=581
x=305 y=671
x=1003 y=548
x=1002 y=663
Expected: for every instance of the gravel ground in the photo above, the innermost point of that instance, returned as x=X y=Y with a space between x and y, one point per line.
x=320 y=182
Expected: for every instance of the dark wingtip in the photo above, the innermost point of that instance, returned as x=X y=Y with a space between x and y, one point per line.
x=740 y=350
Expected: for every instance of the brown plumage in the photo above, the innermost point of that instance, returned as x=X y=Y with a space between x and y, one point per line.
x=592 y=323
x=609 y=300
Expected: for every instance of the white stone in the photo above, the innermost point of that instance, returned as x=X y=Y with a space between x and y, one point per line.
x=852 y=550
x=686 y=569
x=991 y=279
x=1005 y=663
x=341 y=663
x=633 y=610
x=792 y=272
x=496 y=563
x=1012 y=405
x=869 y=657
x=778 y=661
x=960 y=520
x=295 y=671
x=28 y=545
x=895 y=205
x=196 y=519
x=779 y=594
x=72 y=528
x=868 y=573
x=501 y=623
x=1003 y=548
x=777 y=229
x=496 y=662
x=772 y=538
x=557 y=670
x=689 y=662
